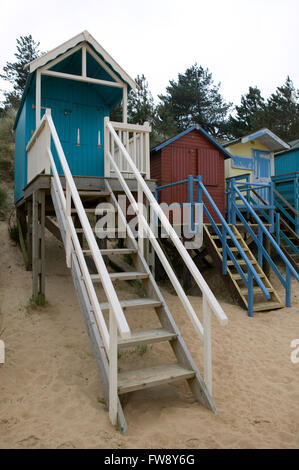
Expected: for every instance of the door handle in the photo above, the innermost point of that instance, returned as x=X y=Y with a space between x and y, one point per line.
x=78 y=138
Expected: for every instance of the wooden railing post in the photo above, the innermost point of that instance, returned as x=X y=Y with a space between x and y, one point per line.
x=106 y=148
x=38 y=247
x=224 y=250
x=191 y=203
x=112 y=368
x=140 y=224
x=250 y=294
x=207 y=343
x=68 y=233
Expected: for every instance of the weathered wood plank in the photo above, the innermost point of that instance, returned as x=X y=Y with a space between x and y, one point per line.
x=53 y=227
x=152 y=376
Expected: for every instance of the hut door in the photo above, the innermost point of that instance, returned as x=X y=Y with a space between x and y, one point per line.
x=262 y=170
x=87 y=141
x=184 y=163
x=61 y=113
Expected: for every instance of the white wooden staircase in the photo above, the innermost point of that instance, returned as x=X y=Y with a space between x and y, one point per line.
x=107 y=314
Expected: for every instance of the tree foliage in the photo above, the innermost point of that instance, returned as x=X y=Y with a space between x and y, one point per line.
x=15 y=73
x=141 y=106
x=279 y=113
x=194 y=99
x=282 y=111
x=249 y=115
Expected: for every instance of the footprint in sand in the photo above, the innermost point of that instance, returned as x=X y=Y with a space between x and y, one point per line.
x=193 y=443
x=29 y=442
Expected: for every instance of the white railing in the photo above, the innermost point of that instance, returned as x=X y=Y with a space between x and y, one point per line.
x=209 y=302
x=117 y=320
x=37 y=158
x=135 y=139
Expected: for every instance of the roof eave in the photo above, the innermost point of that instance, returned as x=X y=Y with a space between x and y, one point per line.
x=202 y=131
x=82 y=37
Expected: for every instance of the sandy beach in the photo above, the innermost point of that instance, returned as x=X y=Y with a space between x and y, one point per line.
x=50 y=393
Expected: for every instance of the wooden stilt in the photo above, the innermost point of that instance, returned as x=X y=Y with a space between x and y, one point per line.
x=21 y=216
x=38 y=247
x=29 y=233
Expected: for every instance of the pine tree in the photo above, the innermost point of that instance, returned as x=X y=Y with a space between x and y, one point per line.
x=15 y=73
x=140 y=103
x=141 y=106
x=282 y=114
x=195 y=99
x=250 y=115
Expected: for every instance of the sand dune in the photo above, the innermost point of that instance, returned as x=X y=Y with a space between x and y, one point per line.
x=50 y=395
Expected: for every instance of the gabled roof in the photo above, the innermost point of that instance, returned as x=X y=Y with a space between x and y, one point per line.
x=65 y=49
x=199 y=129
x=73 y=42
x=265 y=137
x=293 y=146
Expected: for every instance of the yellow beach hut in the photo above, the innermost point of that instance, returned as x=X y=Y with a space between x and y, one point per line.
x=254 y=155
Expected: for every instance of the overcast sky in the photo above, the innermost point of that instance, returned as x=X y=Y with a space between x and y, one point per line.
x=242 y=42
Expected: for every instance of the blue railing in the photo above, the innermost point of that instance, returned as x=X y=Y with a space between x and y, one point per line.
x=251 y=274
x=271 y=211
x=260 y=196
x=258 y=239
x=287 y=186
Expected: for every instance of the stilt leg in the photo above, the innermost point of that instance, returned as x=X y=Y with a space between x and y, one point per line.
x=38 y=247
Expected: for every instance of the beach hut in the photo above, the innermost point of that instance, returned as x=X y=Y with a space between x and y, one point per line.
x=192 y=152
x=75 y=170
x=254 y=155
x=80 y=83
x=286 y=181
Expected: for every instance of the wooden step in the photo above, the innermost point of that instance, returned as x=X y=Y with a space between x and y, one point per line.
x=237 y=277
x=156 y=335
x=234 y=249
x=113 y=251
x=256 y=290
x=134 y=304
x=151 y=377
x=94 y=193
x=215 y=237
x=123 y=276
x=93 y=210
x=263 y=306
x=109 y=233
x=241 y=262
x=96 y=210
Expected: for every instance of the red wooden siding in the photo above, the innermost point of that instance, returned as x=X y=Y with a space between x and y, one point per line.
x=192 y=154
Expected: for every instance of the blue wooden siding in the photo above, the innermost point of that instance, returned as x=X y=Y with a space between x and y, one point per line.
x=20 y=156
x=287 y=162
x=74 y=105
x=245 y=163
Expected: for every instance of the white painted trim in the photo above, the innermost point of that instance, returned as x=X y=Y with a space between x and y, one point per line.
x=84 y=69
x=207 y=343
x=125 y=104
x=71 y=44
x=113 y=372
x=37 y=99
x=262 y=132
x=51 y=55
x=103 y=64
x=79 y=78
x=61 y=58
x=121 y=126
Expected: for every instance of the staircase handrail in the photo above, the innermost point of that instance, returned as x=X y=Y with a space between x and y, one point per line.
x=73 y=194
x=289 y=268
x=144 y=189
